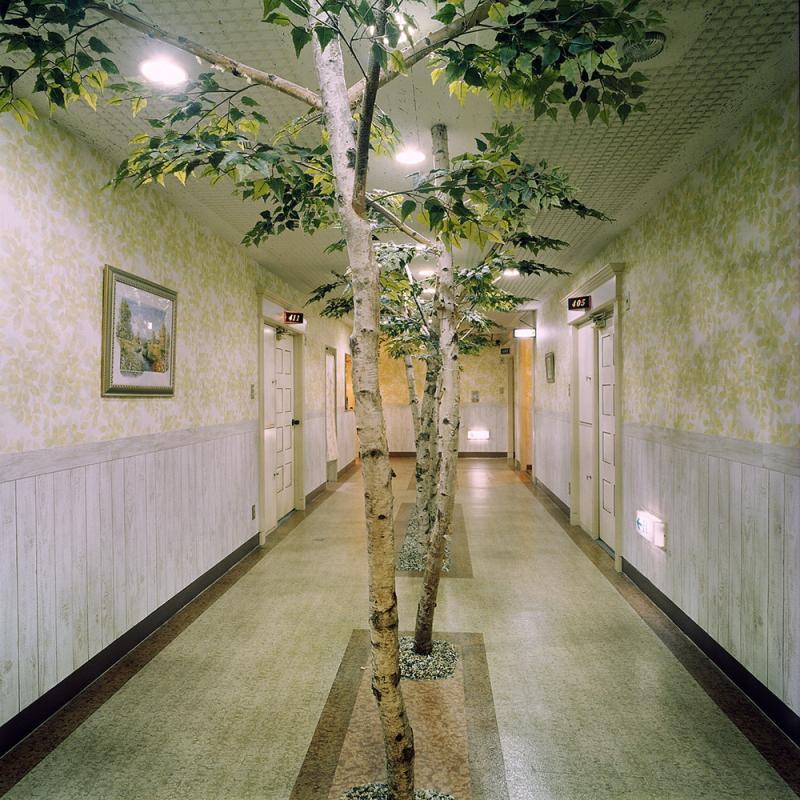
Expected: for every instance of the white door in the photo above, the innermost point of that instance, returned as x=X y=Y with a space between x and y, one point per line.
x=606 y=431
x=269 y=513
x=586 y=437
x=284 y=431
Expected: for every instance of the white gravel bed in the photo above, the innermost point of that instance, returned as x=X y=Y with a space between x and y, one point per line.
x=379 y=791
x=439 y=665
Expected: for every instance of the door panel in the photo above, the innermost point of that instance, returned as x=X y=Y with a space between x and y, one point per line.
x=607 y=423
x=284 y=410
x=588 y=491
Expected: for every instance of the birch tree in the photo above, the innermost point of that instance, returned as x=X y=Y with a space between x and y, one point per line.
x=548 y=54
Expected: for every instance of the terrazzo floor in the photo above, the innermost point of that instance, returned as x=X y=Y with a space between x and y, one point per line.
x=590 y=702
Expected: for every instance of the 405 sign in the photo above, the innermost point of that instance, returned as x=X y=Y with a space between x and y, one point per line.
x=582 y=303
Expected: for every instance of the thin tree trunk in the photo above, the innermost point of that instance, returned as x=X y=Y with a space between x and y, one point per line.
x=419 y=524
x=449 y=421
x=413 y=399
x=383 y=619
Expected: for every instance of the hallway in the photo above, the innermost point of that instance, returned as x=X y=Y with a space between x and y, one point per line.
x=589 y=701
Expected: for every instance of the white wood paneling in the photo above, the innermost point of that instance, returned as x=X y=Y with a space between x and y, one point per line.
x=732 y=561
x=87 y=550
x=9 y=670
x=27 y=612
x=551 y=452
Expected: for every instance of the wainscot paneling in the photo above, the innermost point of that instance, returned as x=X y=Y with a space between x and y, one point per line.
x=485 y=416
x=314 y=444
x=95 y=537
x=552 y=434
x=732 y=556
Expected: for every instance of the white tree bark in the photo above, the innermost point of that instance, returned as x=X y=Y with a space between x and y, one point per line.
x=449 y=422
x=420 y=521
x=397 y=733
x=413 y=399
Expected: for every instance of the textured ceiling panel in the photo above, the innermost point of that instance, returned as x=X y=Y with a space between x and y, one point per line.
x=722 y=60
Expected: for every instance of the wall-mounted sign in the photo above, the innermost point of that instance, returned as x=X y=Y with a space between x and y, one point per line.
x=293 y=317
x=582 y=303
x=505 y=351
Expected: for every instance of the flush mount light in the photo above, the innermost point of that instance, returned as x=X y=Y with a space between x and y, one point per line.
x=477 y=434
x=524 y=333
x=425 y=273
x=410 y=155
x=163 y=70
x=510 y=273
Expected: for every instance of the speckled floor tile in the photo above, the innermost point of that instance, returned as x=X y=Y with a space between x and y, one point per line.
x=594 y=695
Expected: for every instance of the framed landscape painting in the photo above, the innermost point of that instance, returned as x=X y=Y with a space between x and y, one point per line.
x=138 y=336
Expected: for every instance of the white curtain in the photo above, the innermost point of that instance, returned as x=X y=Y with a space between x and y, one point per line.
x=330 y=407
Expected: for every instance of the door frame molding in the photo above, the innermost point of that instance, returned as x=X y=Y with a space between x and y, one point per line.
x=607 y=283
x=298 y=476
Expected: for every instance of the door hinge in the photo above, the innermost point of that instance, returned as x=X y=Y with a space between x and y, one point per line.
x=569 y=488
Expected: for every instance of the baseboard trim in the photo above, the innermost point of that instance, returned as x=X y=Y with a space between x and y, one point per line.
x=19 y=726
x=554 y=497
x=314 y=493
x=783 y=716
x=346 y=472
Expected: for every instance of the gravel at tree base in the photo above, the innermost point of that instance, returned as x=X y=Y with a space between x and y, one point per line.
x=440 y=664
x=379 y=791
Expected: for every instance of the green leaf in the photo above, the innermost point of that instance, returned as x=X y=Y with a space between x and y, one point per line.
x=570 y=70
x=408 y=207
x=270 y=6
x=473 y=77
x=610 y=58
x=325 y=35
x=109 y=66
x=575 y=108
x=248 y=101
x=83 y=60
x=300 y=38
x=98 y=45
x=592 y=110
x=446 y=14
x=550 y=54
x=138 y=104
x=624 y=112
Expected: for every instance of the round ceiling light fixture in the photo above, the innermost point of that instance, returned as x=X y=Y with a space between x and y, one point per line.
x=164 y=71
x=649 y=47
x=410 y=155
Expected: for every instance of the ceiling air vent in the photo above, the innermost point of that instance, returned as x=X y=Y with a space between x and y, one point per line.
x=651 y=46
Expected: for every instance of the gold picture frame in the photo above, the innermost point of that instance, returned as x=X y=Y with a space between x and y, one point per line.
x=139 y=324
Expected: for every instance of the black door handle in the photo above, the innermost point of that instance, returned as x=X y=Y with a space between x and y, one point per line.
x=295 y=422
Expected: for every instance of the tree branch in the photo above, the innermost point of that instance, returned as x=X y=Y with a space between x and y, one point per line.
x=424 y=47
x=365 y=122
x=401 y=226
x=258 y=76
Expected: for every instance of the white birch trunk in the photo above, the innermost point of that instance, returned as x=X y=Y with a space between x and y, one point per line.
x=449 y=421
x=420 y=522
x=383 y=620
x=413 y=399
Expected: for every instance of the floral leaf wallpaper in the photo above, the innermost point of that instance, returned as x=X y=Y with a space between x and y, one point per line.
x=711 y=337
x=57 y=230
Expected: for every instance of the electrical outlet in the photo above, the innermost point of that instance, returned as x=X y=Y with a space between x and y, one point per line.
x=252 y=512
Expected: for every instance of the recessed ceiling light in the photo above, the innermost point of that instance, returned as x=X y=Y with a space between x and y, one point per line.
x=409 y=155
x=163 y=70
x=425 y=273
x=510 y=273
